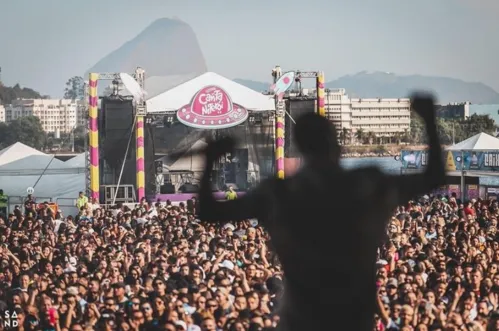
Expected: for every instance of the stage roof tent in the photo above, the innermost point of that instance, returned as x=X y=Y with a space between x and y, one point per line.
x=479 y=142
x=182 y=95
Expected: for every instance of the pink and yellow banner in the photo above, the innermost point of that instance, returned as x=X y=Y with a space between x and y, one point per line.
x=321 y=103
x=93 y=134
x=141 y=181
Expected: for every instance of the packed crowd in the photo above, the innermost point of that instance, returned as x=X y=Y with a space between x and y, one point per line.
x=156 y=267
x=153 y=267
x=439 y=268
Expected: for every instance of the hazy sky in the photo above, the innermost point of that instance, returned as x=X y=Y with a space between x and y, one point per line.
x=44 y=42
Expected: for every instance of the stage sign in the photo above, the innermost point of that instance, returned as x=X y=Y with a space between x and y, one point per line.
x=212 y=108
x=481 y=161
x=283 y=83
x=419 y=159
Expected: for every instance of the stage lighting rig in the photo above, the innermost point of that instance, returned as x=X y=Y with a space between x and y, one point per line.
x=169 y=120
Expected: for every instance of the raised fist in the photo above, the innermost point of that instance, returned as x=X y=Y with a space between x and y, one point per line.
x=424 y=105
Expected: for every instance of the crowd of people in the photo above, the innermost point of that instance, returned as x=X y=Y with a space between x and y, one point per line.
x=156 y=267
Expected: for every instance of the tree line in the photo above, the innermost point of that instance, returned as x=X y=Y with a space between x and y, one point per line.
x=450 y=130
x=29 y=131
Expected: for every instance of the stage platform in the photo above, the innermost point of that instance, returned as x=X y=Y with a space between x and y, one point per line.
x=182 y=197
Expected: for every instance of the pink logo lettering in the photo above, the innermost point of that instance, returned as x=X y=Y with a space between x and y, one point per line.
x=211 y=101
x=212 y=108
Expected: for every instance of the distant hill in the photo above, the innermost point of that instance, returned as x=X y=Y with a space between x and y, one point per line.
x=388 y=85
x=167 y=47
x=7 y=94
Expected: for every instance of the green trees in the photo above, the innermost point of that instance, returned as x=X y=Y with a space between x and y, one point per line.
x=7 y=94
x=27 y=130
x=75 y=88
x=453 y=131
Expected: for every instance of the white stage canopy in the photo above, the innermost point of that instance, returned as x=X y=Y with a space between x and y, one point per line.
x=177 y=97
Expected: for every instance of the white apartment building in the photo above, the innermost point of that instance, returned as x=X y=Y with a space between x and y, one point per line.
x=56 y=115
x=2 y=113
x=383 y=117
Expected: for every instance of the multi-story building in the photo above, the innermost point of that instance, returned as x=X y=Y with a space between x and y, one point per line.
x=383 y=118
x=386 y=118
x=56 y=115
x=2 y=113
x=454 y=111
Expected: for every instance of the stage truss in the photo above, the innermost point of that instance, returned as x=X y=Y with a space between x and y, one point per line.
x=280 y=112
x=92 y=179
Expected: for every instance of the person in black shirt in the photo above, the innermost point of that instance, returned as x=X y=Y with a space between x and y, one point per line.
x=30 y=206
x=316 y=268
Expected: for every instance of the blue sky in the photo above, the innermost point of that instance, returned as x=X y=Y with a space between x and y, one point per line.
x=44 y=42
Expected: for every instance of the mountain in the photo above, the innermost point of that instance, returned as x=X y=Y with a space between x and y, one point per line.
x=388 y=85
x=167 y=47
x=257 y=86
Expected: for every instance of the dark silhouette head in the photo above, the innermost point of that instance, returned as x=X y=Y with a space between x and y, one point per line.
x=316 y=138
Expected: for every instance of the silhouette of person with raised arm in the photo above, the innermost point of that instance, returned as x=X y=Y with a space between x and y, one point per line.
x=326 y=222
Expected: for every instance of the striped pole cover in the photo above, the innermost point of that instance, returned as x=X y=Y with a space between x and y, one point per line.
x=139 y=156
x=93 y=134
x=321 y=110
x=279 y=136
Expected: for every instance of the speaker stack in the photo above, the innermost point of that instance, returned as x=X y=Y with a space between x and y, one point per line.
x=295 y=108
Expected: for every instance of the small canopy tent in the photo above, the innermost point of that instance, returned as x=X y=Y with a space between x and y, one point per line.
x=479 y=142
x=182 y=95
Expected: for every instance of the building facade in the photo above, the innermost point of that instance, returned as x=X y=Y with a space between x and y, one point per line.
x=2 y=113
x=56 y=115
x=457 y=111
x=384 y=118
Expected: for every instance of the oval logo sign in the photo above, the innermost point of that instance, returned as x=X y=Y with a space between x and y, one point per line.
x=284 y=82
x=212 y=108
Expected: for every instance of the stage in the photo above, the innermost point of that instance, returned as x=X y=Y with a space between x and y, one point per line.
x=183 y=197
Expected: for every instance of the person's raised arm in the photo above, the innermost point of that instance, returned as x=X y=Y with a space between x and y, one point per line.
x=210 y=210
x=409 y=186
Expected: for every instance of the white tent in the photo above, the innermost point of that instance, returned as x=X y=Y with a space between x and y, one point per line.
x=77 y=161
x=182 y=95
x=479 y=142
x=52 y=179
x=16 y=152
